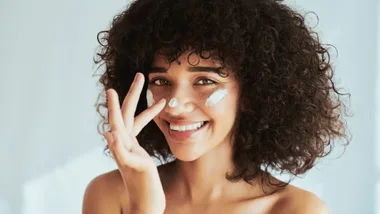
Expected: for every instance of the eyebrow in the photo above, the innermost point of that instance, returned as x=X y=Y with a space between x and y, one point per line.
x=190 y=69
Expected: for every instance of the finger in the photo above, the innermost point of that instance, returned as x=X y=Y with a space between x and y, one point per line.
x=123 y=157
x=146 y=116
x=114 y=113
x=130 y=102
x=140 y=151
x=109 y=138
x=133 y=161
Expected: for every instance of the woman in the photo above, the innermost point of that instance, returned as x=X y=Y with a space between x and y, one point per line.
x=231 y=89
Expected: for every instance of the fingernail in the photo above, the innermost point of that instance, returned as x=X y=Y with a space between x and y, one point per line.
x=137 y=77
x=108 y=91
x=161 y=101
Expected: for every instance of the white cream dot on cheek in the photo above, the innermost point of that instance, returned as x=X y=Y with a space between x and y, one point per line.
x=216 y=97
x=149 y=98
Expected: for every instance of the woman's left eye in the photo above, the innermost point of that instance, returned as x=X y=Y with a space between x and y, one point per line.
x=205 y=82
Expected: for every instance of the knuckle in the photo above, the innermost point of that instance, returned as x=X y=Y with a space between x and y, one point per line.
x=114 y=149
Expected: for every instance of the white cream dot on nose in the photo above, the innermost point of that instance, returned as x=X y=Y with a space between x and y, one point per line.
x=173 y=102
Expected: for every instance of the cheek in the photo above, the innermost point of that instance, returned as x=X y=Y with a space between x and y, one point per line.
x=216 y=97
x=222 y=102
x=221 y=108
x=154 y=95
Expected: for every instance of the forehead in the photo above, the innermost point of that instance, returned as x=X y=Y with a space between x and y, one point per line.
x=188 y=58
x=191 y=60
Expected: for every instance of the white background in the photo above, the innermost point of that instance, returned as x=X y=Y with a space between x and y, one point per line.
x=49 y=146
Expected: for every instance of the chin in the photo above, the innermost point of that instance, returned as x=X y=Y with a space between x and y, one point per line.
x=186 y=157
x=188 y=153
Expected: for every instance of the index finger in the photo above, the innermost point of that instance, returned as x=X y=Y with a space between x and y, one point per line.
x=130 y=102
x=114 y=112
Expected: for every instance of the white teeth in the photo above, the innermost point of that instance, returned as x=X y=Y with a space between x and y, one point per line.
x=186 y=127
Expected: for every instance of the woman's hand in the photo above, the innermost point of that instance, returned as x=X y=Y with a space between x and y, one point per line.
x=139 y=172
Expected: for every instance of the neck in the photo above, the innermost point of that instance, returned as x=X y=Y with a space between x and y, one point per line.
x=204 y=179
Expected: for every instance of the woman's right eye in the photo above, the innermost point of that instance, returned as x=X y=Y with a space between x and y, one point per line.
x=159 y=82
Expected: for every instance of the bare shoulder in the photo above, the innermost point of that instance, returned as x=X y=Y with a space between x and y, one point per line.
x=299 y=201
x=104 y=194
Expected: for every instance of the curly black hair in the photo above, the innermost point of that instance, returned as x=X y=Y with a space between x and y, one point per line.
x=289 y=110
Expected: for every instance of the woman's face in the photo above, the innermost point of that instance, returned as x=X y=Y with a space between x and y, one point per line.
x=201 y=105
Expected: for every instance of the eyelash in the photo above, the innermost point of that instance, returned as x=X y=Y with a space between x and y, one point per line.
x=210 y=82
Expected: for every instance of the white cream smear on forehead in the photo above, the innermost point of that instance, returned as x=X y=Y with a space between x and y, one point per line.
x=149 y=98
x=216 y=97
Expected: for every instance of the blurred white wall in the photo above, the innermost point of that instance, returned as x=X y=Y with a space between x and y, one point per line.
x=49 y=144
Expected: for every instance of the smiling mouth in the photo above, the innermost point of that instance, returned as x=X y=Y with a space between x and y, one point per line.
x=183 y=133
x=187 y=127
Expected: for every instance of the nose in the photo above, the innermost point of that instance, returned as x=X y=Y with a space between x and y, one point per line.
x=179 y=103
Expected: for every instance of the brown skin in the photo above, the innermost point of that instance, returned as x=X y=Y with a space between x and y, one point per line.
x=196 y=182
x=192 y=88
x=106 y=195
x=284 y=74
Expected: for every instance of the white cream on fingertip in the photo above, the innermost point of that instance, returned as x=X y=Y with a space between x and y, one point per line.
x=149 y=98
x=216 y=97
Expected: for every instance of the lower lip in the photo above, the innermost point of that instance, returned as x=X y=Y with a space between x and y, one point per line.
x=185 y=135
